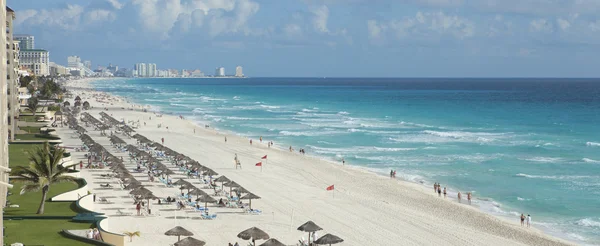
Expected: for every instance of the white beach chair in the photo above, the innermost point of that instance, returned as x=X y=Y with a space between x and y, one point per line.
x=121 y=213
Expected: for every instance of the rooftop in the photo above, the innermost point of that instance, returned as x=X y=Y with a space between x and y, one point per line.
x=34 y=50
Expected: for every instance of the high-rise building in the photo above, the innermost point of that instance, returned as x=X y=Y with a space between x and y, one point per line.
x=220 y=72
x=239 y=72
x=3 y=116
x=88 y=64
x=26 y=42
x=12 y=74
x=38 y=61
x=142 y=69
x=73 y=61
x=151 y=70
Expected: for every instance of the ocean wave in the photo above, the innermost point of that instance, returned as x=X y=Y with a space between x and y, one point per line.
x=269 y=106
x=309 y=133
x=325 y=142
x=357 y=149
x=593 y=144
x=543 y=159
x=588 y=160
x=343 y=113
x=310 y=110
x=236 y=98
x=560 y=177
x=589 y=222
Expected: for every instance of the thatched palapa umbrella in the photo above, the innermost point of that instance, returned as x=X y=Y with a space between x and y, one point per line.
x=181 y=182
x=328 y=239
x=231 y=185
x=206 y=199
x=197 y=193
x=190 y=241
x=140 y=191
x=309 y=227
x=250 y=196
x=179 y=231
x=272 y=242
x=254 y=234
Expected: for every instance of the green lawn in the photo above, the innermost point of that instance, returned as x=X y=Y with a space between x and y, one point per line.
x=29 y=202
x=28 y=118
x=41 y=232
x=17 y=154
x=30 y=129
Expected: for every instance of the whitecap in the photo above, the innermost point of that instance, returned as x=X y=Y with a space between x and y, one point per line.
x=343 y=113
x=593 y=144
x=589 y=222
x=542 y=159
x=588 y=160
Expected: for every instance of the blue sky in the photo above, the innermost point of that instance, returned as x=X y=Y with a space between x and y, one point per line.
x=350 y=38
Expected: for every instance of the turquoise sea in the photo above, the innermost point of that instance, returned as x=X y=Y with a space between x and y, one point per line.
x=521 y=145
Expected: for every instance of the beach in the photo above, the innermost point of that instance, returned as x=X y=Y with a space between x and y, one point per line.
x=364 y=208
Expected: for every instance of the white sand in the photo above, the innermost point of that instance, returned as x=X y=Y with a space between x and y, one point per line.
x=368 y=209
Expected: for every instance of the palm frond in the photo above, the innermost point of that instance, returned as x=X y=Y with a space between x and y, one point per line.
x=30 y=188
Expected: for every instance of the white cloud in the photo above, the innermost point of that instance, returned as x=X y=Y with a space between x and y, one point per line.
x=594 y=26
x=426 y=24
x=563 y=24
x=221 y=16
x=292 y=30
x=541 y=25
x=67 y=18
x=115 y=3
x=99 y=15
x=321 y=16
x=374 y=29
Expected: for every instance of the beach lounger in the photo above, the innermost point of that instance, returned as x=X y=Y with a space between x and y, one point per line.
x=121 y=213
x=209 y=217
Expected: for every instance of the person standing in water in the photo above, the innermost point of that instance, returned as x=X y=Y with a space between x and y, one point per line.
x=469 y=197
x=444 y=192
x=459 y=197
x=343 y=161
x=439 y=190
x=391 y=173
x=528 y=221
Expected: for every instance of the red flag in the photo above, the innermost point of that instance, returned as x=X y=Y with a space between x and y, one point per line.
x=259 y=164
x=264 y=157
x=330 y=187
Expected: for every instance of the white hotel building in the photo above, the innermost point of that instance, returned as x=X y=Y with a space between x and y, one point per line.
x=36 y=60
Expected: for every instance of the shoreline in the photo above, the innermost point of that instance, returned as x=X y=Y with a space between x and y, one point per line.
x=350 y=170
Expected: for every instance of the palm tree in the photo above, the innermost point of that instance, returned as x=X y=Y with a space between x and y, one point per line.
x=33 y=104
x=45 y=170
x=132 y=234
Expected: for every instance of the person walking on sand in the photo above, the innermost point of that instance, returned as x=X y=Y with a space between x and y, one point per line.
x=469 y=197
x=261 y=139
x=226 y=139
x=459 y=197
x=439 y=191
x=250 y=141
x=394 y=174
x=444 y=192
x=162 y=140
x=391 y=173
x=434 y=187
x=80 y=165
x=528 y=221
x=343 y=161
x=522 y=220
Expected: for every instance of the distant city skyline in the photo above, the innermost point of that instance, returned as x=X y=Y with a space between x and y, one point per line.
x=354 y=38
